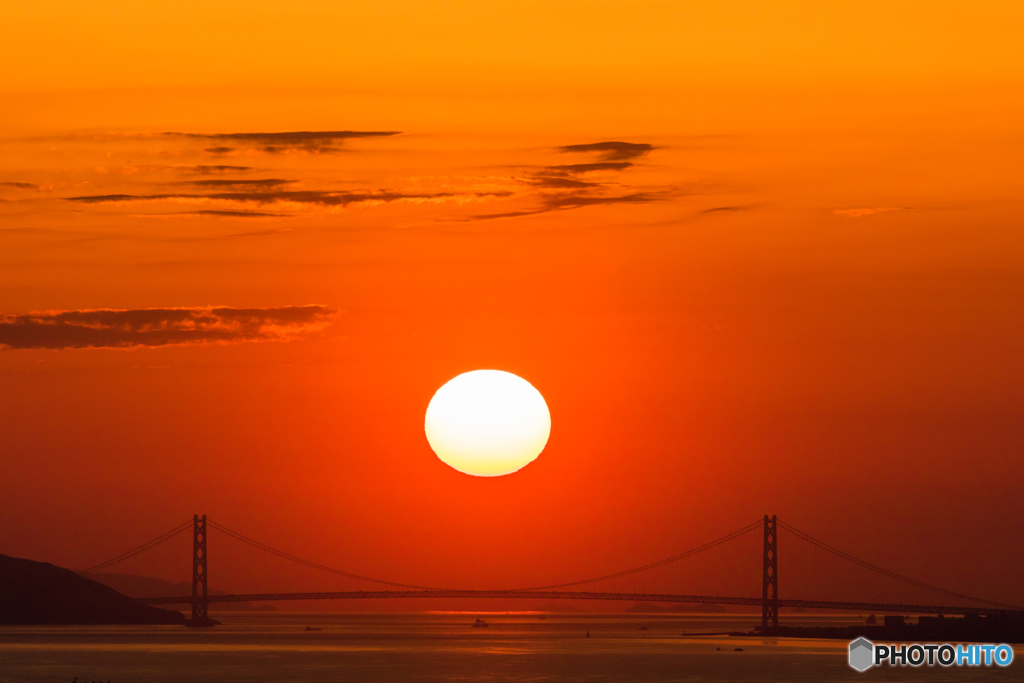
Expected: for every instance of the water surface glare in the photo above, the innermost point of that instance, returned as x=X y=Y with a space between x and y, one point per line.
x=277 y=648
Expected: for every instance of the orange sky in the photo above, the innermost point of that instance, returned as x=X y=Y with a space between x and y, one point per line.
x=796 y=289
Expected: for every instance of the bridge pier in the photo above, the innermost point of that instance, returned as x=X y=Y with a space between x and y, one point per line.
x=200 y=590
x=770 y=576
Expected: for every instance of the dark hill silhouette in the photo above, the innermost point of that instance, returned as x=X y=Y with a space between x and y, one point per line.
x=41 y=593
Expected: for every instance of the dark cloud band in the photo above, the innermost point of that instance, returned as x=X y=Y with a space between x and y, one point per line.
x=224 y=183
x=304 y=137
x=151 y=327
x=229 y=214
x=314 y=197
x=573 y=169
x=559 y=183
x=562 y=202
x=318 y=142
x=208 y=169
x=612 y=151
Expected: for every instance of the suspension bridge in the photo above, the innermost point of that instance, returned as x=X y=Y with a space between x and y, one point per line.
x=739 y=568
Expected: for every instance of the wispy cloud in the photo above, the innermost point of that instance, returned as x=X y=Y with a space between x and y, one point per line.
x=211 y=169
x=223 y=183
x=152 y=327
x=726 y=209
x=576 y=201
x=310 y=197
x=19 y=185
x=236 y=191
x=866 y=211
x=213 y=213
x=316 y=142
x=182 y=169
x=236 y=214
x=561 y=202
x=561 y=186
x=611 y=151
x=107 y=198
x=574 y=169
x=558 y=182
x=252 y=234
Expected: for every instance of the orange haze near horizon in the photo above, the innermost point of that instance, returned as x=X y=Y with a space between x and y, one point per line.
x=794 y=285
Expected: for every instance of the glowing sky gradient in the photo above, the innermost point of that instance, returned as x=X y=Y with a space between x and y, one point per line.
x=757 y=257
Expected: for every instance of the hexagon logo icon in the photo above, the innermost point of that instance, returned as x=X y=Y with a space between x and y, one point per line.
x=862 y=654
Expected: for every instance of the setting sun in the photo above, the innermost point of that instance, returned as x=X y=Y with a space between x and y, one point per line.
x=488 y=423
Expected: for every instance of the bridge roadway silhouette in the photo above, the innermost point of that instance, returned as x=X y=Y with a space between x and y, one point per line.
x=769 y=601
x=582 y=595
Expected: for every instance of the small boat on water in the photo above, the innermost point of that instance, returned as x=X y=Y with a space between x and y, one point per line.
x=480 y=623
x=313 y=628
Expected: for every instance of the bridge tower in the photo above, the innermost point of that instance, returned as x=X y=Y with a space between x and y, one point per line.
x=200 y=597
x=770 y=576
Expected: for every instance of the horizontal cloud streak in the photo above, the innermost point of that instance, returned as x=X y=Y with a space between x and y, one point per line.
x=612 y=151
x=726 y=209
x=106 y=198
x=153 y=327
x=866 y=211
x=292 y=138
x=307 y=140
x=314 y=197
x=555 y=182
x=213 y=213
x=210 y=169
x=575 y=201
x=234 y=236
x=260 y=183
x=19 y=185
x=232 y=214
x=573 y=169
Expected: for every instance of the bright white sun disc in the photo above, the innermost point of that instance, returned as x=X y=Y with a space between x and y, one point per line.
x=487 y=423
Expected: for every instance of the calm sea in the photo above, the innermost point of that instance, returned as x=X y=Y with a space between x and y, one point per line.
x=276 y=647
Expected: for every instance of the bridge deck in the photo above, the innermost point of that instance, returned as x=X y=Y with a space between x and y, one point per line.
x=581 y=595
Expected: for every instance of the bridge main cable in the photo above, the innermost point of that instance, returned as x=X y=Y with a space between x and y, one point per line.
x=652 y=565
x=142 y=548
x=885 y=572
x=292 y=558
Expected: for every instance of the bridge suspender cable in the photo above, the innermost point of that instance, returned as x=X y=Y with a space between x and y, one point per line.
x=885 y=572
